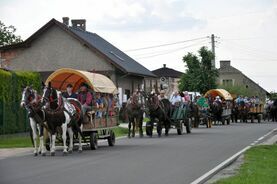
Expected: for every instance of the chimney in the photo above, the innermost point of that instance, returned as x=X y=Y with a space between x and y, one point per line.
x=225 y=63
x=66 y=21
x=164 y=65
x=79 y=23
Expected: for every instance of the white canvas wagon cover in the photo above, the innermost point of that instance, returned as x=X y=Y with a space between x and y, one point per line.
x=97 y=82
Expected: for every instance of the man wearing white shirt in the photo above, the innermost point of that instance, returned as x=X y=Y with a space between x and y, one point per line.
x=175 y=98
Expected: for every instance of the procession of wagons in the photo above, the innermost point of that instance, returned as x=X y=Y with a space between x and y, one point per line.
x=88 y=128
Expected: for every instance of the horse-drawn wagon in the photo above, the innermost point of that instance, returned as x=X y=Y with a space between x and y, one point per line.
x=180 y=118
x=221 y=111
x=93 y=127
x=162 y=115
x=256 y=112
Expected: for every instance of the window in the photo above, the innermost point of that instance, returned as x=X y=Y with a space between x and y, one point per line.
x=227 y=82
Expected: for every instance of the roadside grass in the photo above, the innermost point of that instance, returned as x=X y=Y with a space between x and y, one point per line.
x=24 y=140
x=260 y=167
x=120 y=131
x=15 y=141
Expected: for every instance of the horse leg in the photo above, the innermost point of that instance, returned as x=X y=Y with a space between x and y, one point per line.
x=41 y=138
x=70 y=133
x=140 y=126
x=129 y=127
x=166 y=125
x=64 y=128
x=134 y=127
x=159 y=128
x=34 y=129
x=53 y=147
x=80 y=140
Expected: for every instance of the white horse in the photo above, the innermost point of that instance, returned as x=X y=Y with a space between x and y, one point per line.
x=60 y=113
x=30 y=101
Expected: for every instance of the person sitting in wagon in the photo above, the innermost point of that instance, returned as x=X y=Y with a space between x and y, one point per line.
x=69 y=93
x=99 y=105
x=85 y=98
x=217 y=100
x=162 y=95
x=186 y=98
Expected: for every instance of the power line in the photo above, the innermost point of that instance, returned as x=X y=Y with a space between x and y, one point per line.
x=167 y=44
x=175 y=50
x=167 y=50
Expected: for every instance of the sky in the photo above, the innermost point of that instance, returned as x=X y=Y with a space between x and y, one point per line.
x=245 y=30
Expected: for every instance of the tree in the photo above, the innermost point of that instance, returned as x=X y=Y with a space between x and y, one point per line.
x=7 y=35
x=200 y=75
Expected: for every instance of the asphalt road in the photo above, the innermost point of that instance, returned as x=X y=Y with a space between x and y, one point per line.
x=167 y=160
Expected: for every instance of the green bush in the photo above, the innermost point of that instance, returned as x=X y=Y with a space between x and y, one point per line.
x=13 y=118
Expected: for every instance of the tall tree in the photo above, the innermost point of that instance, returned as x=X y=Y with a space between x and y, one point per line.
x=200 y=75
x=7 y=35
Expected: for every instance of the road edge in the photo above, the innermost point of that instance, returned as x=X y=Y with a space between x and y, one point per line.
x=208 y=175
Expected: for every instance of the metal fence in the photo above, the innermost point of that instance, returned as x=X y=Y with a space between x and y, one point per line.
x=13 y=118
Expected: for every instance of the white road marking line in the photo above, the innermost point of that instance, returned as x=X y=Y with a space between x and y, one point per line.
x=231 y=159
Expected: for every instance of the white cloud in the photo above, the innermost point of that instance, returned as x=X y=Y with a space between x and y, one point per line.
x=247 y=28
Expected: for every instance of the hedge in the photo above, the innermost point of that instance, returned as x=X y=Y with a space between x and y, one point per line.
x=13 y=118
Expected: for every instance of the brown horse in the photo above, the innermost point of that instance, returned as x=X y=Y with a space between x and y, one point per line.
x=159 y=110
x=134 y=110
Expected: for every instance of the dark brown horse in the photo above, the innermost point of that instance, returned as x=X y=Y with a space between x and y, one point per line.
x=159 y=110
x=134 y=110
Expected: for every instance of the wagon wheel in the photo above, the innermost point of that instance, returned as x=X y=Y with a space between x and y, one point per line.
x=149 y=129
x=252 y=118
x=180 y=128
x=228 y=121
x=259 y=118
x=93 y=140
x=188 y=125
x=111 y=138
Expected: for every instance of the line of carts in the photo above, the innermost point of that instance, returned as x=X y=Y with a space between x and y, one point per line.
x=103 y=128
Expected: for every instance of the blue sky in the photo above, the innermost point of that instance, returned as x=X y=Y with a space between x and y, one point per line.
x=246 y=29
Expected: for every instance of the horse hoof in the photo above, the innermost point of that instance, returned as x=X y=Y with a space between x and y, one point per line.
x=35 y=154
x=64 y=153
x=141 y=136
x=39 y=152
x=129 y=136
x=80 y=151
x=43 y=154
x=70 y=151
x=52 y=153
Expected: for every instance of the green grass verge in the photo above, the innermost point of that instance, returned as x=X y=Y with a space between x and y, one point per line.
x=119 y=131
x=260 y=167
x=15 y=141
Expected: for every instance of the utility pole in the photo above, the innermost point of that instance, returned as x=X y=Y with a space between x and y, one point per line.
x=213 y=50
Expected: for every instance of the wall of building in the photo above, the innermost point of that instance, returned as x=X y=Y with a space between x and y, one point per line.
x=227 y=72
x=56 y=49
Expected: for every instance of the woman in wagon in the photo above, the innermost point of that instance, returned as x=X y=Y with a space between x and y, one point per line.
x=186 y=98
x=69 y=93
x=85 y=98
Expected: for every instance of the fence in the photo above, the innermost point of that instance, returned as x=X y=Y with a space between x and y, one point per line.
x=13 y=118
